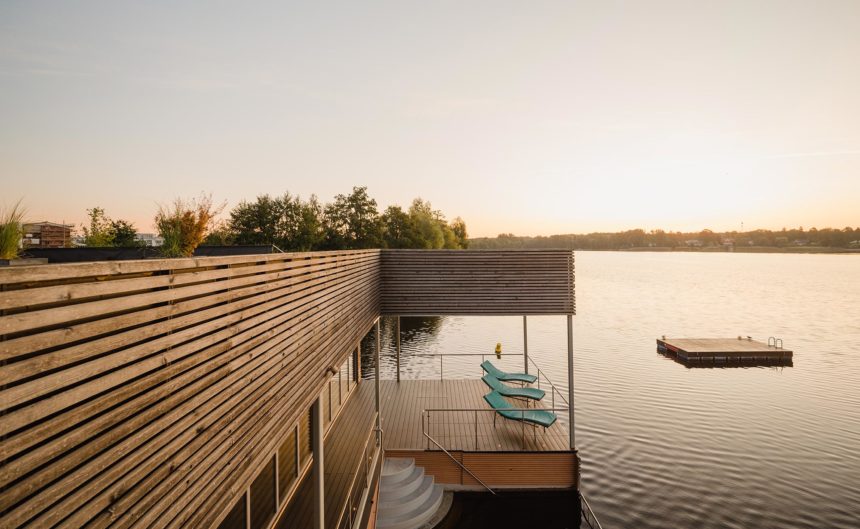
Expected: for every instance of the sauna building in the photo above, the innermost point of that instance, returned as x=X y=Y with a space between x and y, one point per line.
x=227 y=392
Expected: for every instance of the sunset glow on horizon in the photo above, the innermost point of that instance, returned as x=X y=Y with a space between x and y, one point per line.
x=533 y=118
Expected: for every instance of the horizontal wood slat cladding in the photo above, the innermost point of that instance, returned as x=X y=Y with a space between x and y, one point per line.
x=485 y=282
x=151 y=393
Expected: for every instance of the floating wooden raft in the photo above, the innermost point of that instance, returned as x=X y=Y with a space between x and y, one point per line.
x=691 y=349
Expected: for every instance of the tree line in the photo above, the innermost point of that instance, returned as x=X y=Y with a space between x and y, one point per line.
x=826 y=237
x=351 y=221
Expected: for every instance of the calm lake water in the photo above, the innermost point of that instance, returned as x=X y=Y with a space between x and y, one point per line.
x=664 y=445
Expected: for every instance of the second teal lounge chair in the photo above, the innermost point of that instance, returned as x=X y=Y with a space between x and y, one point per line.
x=507 y=377
x=507 y=391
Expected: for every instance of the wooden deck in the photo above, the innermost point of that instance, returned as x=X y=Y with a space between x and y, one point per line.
x=721 y=349
x=401 y=422
x=401 y=419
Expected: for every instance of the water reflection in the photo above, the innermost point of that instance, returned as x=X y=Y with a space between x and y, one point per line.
x=756 y=447
x=416 y=335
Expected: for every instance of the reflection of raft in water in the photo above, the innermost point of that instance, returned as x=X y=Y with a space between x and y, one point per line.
x=692 y=351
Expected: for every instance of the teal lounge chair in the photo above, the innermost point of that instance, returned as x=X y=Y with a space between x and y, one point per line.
x=507 y=391
x=507 y=377
x=537 y=417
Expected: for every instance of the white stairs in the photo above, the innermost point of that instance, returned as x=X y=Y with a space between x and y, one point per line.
x=407 y=498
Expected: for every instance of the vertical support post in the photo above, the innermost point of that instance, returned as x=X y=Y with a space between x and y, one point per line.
x=525 y=345
x=248 y=507
x=376 y=383
x=319 y=469
x=570 y=377
x=398 y=349
x=357 y=363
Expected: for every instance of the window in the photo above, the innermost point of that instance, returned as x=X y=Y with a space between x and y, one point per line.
x=236 y=518
x=263 y=503
x=305 y=439
x=287 y=469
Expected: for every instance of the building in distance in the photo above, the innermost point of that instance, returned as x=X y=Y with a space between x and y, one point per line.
x=47 y=235
x=149 y=239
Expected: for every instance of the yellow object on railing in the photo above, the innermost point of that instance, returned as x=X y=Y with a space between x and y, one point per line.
x=499 y=350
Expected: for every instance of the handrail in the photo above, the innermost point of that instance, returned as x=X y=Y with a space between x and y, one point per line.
x=587 y=514
x=425 y=428
x=347 y=506
x=476 y=478
x=554 y=389
x=552 y=386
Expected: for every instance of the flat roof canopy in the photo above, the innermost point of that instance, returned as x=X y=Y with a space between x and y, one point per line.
x=484 y=282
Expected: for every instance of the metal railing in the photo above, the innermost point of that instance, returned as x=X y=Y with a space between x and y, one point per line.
x=552 y=386
x=426 y=425
x=773 y=341
x=357 y=497
x=540 y=373
x=461 y=465
x=588 y=515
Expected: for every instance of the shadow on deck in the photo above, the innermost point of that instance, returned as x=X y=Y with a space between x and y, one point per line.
x=402 y=404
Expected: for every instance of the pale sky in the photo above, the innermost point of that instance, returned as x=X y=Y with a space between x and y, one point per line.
x=525 y=117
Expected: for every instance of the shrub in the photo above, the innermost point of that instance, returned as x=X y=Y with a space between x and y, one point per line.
x=11 y=231
x=185 y=224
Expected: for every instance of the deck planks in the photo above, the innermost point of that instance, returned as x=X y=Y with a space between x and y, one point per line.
x=722 y=348
x=403 y=402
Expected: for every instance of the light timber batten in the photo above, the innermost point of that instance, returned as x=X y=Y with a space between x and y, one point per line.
x=150 y=393
x=451 y=282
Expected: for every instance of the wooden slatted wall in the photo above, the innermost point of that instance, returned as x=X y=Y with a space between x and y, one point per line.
x=151 y=393
x=456 y=282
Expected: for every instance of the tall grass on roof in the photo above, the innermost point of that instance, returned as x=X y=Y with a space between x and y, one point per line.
x=11 y=231
x=185 y=224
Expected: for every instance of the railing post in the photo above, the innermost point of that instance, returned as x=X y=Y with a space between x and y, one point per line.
x=570 y=378
x=525 y=345
x=398 y=348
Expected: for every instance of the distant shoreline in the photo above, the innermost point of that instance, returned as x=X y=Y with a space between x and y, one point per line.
x=748 y=249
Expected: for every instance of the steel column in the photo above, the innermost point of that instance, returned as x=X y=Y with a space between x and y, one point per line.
x=398 y=349
x=319 y=469
x=525 y=345
x=570 y=377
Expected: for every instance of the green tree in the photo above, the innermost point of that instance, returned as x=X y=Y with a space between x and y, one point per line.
x=219 y=235
x=352 y=221
x=123 y=234
x=307 y=231
x=427 y=226
x=398 y=231
x=256 y=223
x=286 y=222
x=458 y=226
x=99 y=232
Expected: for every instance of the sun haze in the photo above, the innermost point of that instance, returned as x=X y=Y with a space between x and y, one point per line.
x=523 y=117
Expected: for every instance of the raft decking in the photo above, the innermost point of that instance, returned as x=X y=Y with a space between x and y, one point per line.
x=721 y=349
